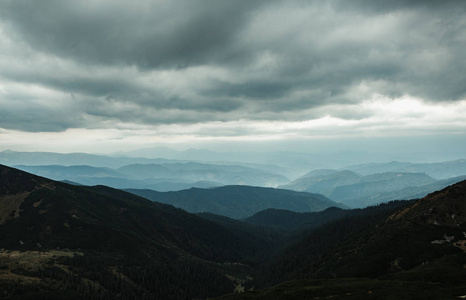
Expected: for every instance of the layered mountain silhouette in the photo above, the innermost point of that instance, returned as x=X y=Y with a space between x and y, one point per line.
x=323 y=181
x=14 y=158
x=61 y=241
x=418 y=252
x=356 y=190
x=192 y=171
x=438 y=170
x=365 y=191
x=92 y=241
x=161 y=176
x=239 y=201
x=354 y=185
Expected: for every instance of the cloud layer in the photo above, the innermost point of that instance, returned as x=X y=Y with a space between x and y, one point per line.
x=97 y=65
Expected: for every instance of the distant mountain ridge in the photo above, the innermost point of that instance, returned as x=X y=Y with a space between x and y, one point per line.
x=239 y=201
x=356 y=186
x=356 y=190
x=286 y=163
x=13 y=158
x=414 y=192
x=360 y=194
x=226 y=174
x=438 y=170
x=162 y=177
x=323 y=181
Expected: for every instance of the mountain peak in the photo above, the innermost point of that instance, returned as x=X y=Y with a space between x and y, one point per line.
x=7 y=151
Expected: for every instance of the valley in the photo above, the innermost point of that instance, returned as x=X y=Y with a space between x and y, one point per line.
x=100 y=232
x=232 y=150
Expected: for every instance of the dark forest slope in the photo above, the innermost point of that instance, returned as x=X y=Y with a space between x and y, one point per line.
x=417 y=252
x=98 y=242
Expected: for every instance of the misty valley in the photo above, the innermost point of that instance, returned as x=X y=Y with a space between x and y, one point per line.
x=86 y=226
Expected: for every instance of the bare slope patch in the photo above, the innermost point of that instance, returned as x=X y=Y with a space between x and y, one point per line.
x=10 y=206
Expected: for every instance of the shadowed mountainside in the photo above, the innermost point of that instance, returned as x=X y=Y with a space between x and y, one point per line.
x=65 y=241
x=416 y=252
x=239 y=201
x=98 y=242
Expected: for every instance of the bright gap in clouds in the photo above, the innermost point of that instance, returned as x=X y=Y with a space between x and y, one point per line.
x=385 y=117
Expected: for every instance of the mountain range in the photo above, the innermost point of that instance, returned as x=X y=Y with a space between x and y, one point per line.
x=251 y=160
x=64 y=241
x=161 y=177
x=239 y=201
x=356 y=190
x=353 y=185
x=99 y=241
x=289 y=164
x=438 y=170
x=416 y=252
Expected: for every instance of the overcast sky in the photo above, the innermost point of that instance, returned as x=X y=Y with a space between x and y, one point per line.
x=109 y=75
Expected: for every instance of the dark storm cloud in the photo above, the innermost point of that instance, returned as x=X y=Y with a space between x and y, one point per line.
x=381 y=6
x=148 y=34
x=251 y=89
x=84 y=85
x=433 y=28
x=36 y=118
x=163 y=62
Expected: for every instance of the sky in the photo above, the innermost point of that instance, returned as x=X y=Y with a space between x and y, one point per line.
x=113 y=75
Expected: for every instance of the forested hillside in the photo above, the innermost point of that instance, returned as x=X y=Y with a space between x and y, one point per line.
x=64 y=241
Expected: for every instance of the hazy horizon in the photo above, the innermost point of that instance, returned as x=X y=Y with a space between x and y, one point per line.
x=419 y=149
